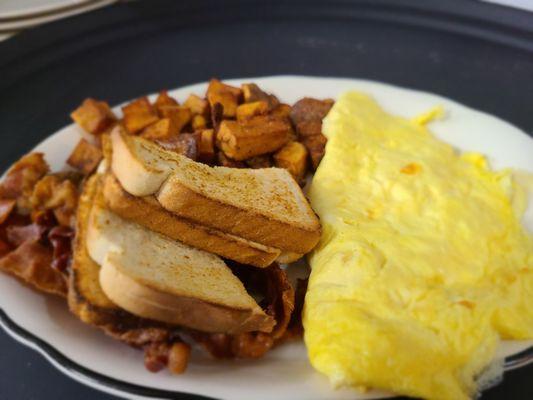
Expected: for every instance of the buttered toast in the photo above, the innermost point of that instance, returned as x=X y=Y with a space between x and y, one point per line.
x=265 y=206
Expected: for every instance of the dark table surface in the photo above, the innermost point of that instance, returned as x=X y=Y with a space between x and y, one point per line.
x=26 y=375
x=479 y=54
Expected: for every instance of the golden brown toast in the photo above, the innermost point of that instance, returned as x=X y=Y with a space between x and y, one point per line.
x=148 y=212
x=87 y=300
x=261 y=205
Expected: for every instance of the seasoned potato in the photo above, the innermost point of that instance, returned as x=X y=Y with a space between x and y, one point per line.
x=20 y=179
x=205 y=140
x=249 y=110
x=309 y=109
x=292 y=157
x=138 y=115
x=56 y=194
x=163 y=129
x=253 y=137
x=225 y=161
x=227 y=96
x=282 y=111
x=94 y=116
x=253 y=93
x=163 y=99
x=85 y=157
x=183 y=144
x=264 y=161
x=198 y=122
x=197 y=105
x=179 y=115
x=316 y=145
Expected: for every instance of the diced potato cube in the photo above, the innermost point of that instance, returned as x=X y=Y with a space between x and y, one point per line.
x=85 y=157
x=138 y=115
x=249 y=110
x=316 y=145
x=199 y=122
x=206 y=145
x=183 y=144
x=163 y=99
x=282 y=111
x=21 y=178
x=197 y=105
x=93 y=116
x=309 y=128
x=253 y=137
x=225 y=161
x=227 y=96
x=161 y=130
x=58 y=194
x=253 y=93
x=264 y=161
x=292 y=157
x=179 y=115
x=309 y=109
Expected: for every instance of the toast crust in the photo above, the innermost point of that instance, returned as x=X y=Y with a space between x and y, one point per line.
x=150 y=214
x=147 y=302
x=187 y=203
x=85 y=297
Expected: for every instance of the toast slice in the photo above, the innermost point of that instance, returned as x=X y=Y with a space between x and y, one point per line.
x=85 y=296
x=265 y=206
x=155 y=277
x=147 y=211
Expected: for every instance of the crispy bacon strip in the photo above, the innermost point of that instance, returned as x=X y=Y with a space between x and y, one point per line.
x=6 y=207
x=273 y=283
x=31 y=262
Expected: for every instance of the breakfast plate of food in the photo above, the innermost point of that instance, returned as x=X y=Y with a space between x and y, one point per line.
x=281 y=237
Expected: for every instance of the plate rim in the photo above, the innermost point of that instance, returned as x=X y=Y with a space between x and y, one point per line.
x=43 y=9
x=118 y=387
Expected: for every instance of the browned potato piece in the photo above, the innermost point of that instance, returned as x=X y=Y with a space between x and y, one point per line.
x=206 y=145
x=56 y=194
x=85 y=157
x=198 y=122
x=163 y=99
x=163 y=129
x=253 y=93
x=20 y=179
x=179 y=115
x=316 y=145
x=282 y=111
x=309 y=109
x=249 y=110
x=183 y=144
x=197 y=105
x=264 y=161
x=223 y=160
x=93 y=116
x=227 y=96
x=138 y=115
x=292 y=157
x=253 y=137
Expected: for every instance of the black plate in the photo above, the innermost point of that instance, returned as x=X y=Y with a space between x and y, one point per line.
x=478 y=54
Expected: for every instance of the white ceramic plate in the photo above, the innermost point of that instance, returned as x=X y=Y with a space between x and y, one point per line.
x=90 y=357
x=39 y=19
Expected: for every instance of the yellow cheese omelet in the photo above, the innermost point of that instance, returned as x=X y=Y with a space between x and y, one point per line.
x=423 y=265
